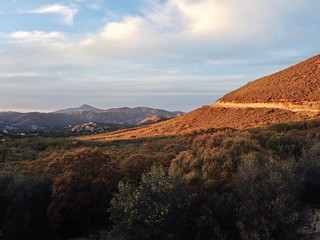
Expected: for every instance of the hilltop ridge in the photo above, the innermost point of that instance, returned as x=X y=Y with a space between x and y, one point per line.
x=82 y=108
x=297 y=85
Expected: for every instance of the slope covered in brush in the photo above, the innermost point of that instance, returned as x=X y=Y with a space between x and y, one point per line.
x=296 y=84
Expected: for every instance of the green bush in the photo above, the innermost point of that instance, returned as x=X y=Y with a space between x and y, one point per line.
x=23 y=204
x=267 y=194
x=156 y=209
x=310 y=167
x=285 y=146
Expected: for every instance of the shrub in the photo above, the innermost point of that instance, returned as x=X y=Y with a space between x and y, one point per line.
x=156 y=209
x=23 y=204
x=267 y=194
x=310 y=167
x=285 y=146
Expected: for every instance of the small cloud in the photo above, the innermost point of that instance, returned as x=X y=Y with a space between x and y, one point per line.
x=129 y=27
x=202 y=16
x=66 y=12
x=35 y=36
x=225 y=61
x=94 y=6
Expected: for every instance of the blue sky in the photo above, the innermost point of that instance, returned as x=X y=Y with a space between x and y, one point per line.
x=170 y=54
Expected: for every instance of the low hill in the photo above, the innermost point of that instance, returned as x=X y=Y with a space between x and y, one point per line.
x=290 y=95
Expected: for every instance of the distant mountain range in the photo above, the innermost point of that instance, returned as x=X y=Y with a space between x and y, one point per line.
x=83 y=114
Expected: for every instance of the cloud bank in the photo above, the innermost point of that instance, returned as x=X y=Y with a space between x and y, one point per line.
x=173 y=48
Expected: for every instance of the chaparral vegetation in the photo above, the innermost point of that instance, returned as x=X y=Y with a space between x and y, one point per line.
x=259 y=183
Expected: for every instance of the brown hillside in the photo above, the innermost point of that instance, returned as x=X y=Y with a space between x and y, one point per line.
x=296 y=84
x=205 y=118
x=290 y=95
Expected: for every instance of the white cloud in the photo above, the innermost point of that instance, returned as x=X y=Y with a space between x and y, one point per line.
x=129 y=27
x=36 y=36
x=67 y=13
x=185 y=24
x=183 y=31
x=202 y=16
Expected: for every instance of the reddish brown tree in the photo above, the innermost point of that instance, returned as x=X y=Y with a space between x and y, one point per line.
x=83 y=183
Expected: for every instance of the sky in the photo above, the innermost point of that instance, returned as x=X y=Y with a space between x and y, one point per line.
x=169 y=54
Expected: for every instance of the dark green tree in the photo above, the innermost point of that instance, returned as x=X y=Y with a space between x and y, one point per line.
x=309 y=165
x=267 y=193
x=285 y=146
x=156 y=209
x=23 y=204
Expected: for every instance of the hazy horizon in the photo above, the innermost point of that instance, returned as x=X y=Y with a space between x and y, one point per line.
x=175 y=55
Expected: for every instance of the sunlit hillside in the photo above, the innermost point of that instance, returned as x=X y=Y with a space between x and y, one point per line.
x=287 y=96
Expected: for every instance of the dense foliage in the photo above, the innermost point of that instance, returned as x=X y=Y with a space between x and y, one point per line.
x=215 y=184
x=82 y=185
x=156 y=209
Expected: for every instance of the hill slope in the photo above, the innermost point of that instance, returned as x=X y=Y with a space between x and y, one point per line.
x=287 y=96
x=203 y=118
x=297 y=85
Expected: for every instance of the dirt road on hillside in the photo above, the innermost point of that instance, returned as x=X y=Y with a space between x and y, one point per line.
x=305 y=107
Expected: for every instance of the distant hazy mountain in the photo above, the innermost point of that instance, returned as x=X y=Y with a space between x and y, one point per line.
x=83 y=108
x=83 y=114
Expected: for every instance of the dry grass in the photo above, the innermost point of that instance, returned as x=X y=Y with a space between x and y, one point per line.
x=205 y=118
x=295 y=84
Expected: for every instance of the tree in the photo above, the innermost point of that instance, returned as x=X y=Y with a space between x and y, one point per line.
x=267 y=193
x=23 y=204
x=309 y=165
x=156 y=209
x=285 y=146
x=83 y=183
